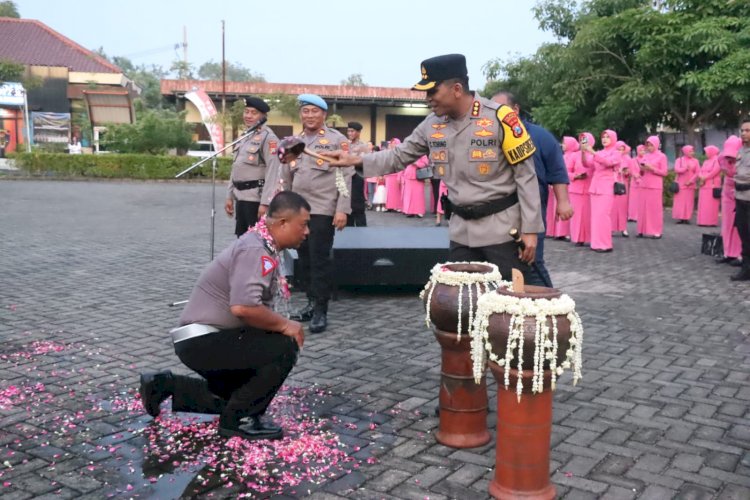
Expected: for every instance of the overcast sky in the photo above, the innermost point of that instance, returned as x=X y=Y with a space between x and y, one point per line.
x=301 y=42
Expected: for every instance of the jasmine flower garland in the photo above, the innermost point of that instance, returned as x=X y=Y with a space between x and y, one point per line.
x=545 y=339
x=442 y=274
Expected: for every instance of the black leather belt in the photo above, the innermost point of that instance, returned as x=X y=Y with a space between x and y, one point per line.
x=245 y=185
x=472 y=212
x=742 y=187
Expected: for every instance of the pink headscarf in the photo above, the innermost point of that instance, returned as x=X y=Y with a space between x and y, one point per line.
x=732 y=146
x=639 y=148
x=621 y=144
x=612 y=138
x=571 y=145
x=711 y=151
x=687 y=149
x=654 y=140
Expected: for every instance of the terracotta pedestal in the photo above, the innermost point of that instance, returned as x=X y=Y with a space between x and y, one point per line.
x=523 y=440
x=463 y=403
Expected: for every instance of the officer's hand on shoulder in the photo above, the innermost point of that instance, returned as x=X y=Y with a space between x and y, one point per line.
x=294 y=330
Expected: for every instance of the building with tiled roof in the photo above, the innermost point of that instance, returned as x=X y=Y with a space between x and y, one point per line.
x=73 y=79
x=385 y=112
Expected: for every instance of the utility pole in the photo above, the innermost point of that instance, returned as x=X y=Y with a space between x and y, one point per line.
x=223 y=81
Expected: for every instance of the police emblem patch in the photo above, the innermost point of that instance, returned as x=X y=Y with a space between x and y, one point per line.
x=476 y=154
x=512 y=121
x=483 y=168
x=489 y=154
x=267 y=265
x=272 y=147
x=437 y=135
x=344 y=146
x=323 y=141
x=441 y=170
x=484 y=122
x=251 y=157
x=439 y=156
x=483 y=133
x=439 y=126
x=319 y=162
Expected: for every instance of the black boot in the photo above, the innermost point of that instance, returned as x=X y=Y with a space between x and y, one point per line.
x=319 y=319
x=155 y=388
x=252 y=429
x=304 y=314
x=743 y=275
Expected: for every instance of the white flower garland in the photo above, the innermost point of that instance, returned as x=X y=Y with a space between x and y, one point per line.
x=341 y=183
x=545 y=346
x=442 y=274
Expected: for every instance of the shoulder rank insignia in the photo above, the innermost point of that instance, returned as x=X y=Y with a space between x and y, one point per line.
x=267 y=265
x=517 y=144
x=475 y=108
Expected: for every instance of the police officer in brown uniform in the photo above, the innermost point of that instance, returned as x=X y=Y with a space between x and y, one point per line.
x=232 y=335
x=742 y=195
x=255 y=162
x=484 y=155
x=358 y=218
x=329 y=194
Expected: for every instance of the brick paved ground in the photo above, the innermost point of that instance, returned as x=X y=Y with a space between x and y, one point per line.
x=87 y=270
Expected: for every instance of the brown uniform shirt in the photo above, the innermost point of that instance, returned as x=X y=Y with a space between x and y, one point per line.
x=255 y=159
x=743 y=173
x=315 y=179
x=246 y=273
x=473 y=157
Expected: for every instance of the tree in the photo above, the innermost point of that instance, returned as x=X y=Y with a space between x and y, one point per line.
x=10 y=71
x=628 y=64
x=354 y=80
x=183 y=69
x=155 y=132
x=9 y=9
x=235 y=72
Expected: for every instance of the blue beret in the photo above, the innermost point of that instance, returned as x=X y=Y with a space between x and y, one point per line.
x=315 y=100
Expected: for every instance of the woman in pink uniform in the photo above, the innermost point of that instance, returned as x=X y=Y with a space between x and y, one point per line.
x=687 y=168
x=414 y=189
x=557 y=228
x=393 y=199
x=635 y=183
x=730 y=237
x=580 y=180
x=620 y=204
x=653 y=169
x=602 y=191
x=709 y=178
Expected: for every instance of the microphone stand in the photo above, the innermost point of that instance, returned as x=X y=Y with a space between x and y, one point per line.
x=197 y=164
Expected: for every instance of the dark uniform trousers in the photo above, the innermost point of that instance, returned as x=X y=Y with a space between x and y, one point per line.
x=503 y=255
x=742 y=223
x=316 y=260
x=242 y=371
x=246 y=216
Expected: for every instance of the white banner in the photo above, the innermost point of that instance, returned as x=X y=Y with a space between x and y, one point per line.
x=208 y=114
x=11 y=94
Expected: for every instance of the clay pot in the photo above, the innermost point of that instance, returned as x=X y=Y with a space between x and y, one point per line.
x=444 y=303
x=463 y=402
x=498 y=329
x=524 y=427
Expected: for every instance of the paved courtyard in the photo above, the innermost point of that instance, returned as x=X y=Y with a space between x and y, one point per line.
x=87 y=270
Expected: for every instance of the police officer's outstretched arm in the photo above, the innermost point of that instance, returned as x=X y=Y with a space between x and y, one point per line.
x=531 y=211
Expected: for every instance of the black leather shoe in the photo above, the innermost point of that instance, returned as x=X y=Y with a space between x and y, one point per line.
x=735 y=263
x=305 y=314
x=724 y=260
x=254 y=429
x=602 y=250
x=155 y=388
x=743 y=275
x=319 y=321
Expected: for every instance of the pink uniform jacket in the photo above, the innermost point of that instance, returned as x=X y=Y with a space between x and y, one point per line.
x=708 y=206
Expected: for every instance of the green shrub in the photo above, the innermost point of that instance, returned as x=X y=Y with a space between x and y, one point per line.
x=667 y=195
x=117 y=166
